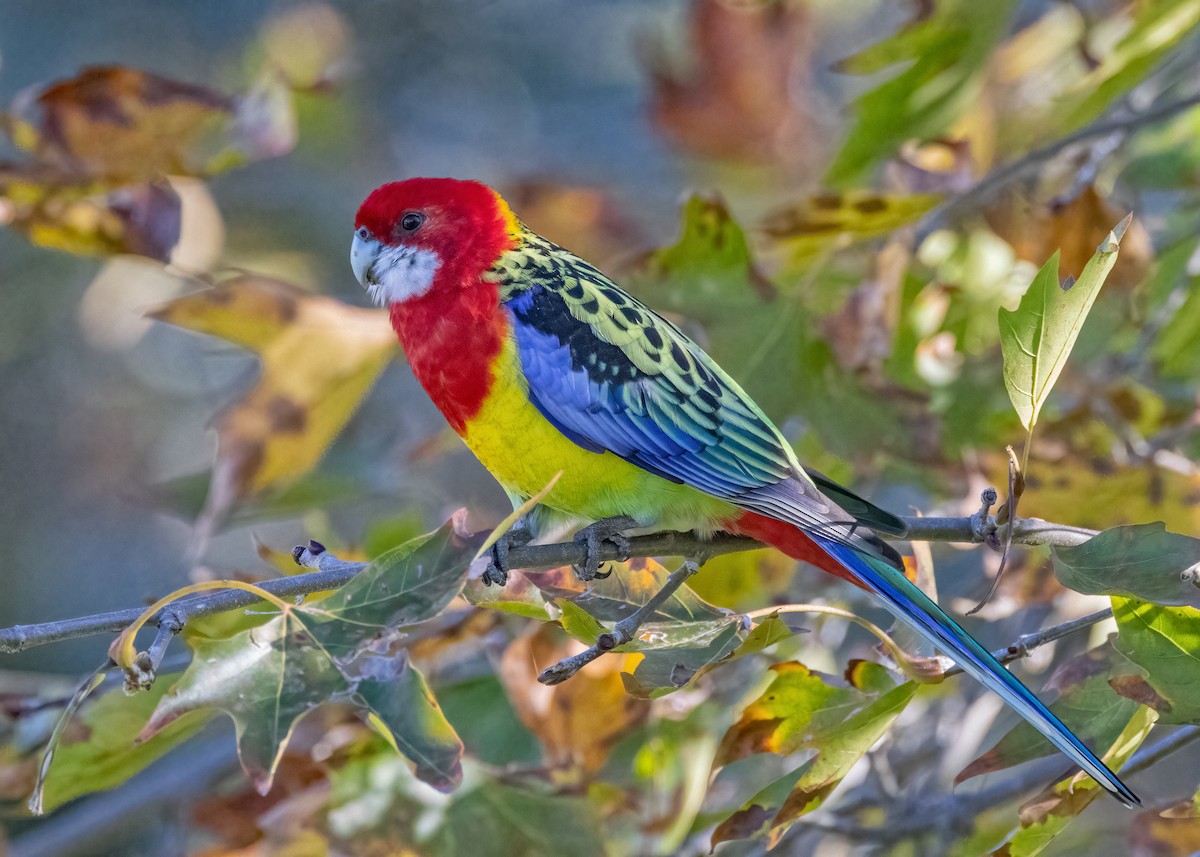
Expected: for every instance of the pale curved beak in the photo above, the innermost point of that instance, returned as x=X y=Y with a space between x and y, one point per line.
x=362 y=258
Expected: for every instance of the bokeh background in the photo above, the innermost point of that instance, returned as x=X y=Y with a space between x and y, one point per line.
x=554 y=104
x=814 y=263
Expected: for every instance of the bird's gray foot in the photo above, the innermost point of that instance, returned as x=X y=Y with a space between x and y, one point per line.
x=497 y=570
x=593 y=537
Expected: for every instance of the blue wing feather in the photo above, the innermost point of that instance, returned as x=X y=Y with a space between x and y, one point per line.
x=684 y=421
x=914 y=607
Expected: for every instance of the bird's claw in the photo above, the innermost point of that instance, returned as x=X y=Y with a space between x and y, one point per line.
x=498 y=568
x=593 y=537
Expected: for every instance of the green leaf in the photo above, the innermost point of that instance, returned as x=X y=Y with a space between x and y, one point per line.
x=404 y=711
x=109 y=753
x=1157 y=28
x=712 y=253
x=675 y=654
x=500 y=738
x=520 y=596
x=1177 y=346
x=1165 y=641
x=800 y=710
x=499 y=820
x=946 y=54
x=756 y=816
x=184 y=496
x=265 y=678
x=579 y=623
x=1037 y=337
x=1139 y=561
x=1085 y=701
x=403 y=586
x=1167 y=157
x=1047 y=815
x=634 y=583
x=765 y=634
x=385 y=534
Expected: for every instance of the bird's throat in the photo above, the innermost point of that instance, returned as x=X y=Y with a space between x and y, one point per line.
x=452 y=339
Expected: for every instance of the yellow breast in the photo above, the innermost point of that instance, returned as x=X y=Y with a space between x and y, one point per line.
x=524 y=451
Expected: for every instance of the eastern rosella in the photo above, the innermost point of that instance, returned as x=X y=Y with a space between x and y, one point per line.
x=543 y=364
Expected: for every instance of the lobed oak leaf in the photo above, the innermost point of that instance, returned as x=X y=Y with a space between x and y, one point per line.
x=266 y=679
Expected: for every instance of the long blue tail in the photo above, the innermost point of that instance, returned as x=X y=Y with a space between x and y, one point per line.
x=914 y=607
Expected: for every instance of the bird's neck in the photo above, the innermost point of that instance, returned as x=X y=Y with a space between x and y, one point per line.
x=452 y=338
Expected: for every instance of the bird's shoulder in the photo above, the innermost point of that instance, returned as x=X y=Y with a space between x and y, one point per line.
x=566 y=310
x=557 y=293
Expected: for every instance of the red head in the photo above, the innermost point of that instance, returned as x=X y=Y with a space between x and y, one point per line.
x=419 y=235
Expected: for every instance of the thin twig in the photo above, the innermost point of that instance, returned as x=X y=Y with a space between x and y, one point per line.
x=955 y=813
x=952 y=210
x=1026 y=643
x=623 y=632
x=334 y=573
x=1009 y=512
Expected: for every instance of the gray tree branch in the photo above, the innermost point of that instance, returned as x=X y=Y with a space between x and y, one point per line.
x=954 y=209
x=333 y=573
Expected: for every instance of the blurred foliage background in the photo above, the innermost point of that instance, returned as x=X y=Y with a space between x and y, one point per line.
x=836 y=199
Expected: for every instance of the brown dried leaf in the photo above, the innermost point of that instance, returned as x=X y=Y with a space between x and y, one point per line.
x=1136 y=687
x=123 y=125
x=860 y=334
x=1174 y=832
x=743 y=824
x=235 y=817
x=1075 y=226
x=102 y=144
x=739 y=97
x=578 y=721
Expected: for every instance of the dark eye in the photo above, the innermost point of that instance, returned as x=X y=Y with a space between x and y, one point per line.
x=411 y=221
x=363 y=232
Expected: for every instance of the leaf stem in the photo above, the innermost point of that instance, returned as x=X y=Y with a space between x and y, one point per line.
x=922 y=670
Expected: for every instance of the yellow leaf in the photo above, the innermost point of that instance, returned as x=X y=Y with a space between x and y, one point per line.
x=579 y=721
x=819 y=222
x=319 y=357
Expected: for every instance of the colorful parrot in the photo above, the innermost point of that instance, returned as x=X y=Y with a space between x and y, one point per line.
x=543 y=365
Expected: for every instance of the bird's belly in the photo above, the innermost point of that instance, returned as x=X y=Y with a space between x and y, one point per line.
x=524 y=451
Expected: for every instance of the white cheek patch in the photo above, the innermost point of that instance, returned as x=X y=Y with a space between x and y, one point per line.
x=401 y=273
